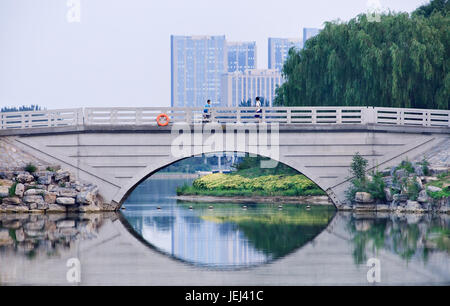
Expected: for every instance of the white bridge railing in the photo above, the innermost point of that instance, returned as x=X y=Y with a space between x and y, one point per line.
x=282 y=115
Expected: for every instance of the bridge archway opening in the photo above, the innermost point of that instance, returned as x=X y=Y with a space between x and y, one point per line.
x=282 y=167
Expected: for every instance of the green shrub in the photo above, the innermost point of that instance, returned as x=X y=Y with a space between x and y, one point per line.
x=412 y=189
x=12 y=190
x=376 y=187
x=30 y=168
x=50 y=169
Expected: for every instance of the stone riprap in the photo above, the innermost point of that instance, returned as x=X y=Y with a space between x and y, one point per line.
x=47 y=191
x=397 y=196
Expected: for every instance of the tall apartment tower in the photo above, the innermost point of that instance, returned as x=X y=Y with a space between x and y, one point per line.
x=240 y=87
x=279 y=49
x=309 y=33
x=197 y=64
x=241 y=56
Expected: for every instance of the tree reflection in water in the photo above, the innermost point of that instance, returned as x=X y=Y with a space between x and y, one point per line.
x=409 y=236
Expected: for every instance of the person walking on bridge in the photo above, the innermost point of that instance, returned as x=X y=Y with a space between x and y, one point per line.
x=206 y=111
x=258 y=110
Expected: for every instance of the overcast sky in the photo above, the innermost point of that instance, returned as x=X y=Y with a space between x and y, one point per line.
x=119 y=52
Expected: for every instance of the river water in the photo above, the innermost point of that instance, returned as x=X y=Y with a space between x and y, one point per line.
x=158 y=240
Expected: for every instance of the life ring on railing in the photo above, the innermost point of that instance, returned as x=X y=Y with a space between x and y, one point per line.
x=163 y=122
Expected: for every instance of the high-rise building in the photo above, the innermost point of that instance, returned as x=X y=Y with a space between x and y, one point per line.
x=309 y=32
x=198 y=63
x=241 y=56
x=279 y=49
x=240 y=87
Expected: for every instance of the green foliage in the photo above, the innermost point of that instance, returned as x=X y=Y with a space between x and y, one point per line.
x=219 y=184
x=412 y=189
x=425 y=166
x=407 y=165
x=12 y=190
x=401 y=61
x=358 y=167
x=251 y=167
x=442 y=182
x=50 y=169
x=376 y=187
x=30 y=168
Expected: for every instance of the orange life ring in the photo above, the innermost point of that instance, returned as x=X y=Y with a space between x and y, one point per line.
x=162 y=123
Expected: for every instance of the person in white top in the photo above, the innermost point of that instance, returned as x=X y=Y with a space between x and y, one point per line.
x=258 y=110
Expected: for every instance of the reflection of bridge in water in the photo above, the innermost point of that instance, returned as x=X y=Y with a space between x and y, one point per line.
x=117 y=148
x=116 y=257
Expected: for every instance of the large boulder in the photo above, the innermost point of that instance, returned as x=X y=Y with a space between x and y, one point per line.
x=31 y=192
x=56 y=208
x=25 y=178
x=388 y=194
x=67 y=192
x=65 y=201
x=363 y=197
x=33 y=199
x=50 y=197
x=434 y=189
x=45 y=178
x=12 y=201
x=423 y=197
x=62 y=175
x=20 y=189
x=414 y=206
x=4 y=191
x=86 y=198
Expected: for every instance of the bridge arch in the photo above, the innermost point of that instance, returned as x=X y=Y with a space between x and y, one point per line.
x=153 y=168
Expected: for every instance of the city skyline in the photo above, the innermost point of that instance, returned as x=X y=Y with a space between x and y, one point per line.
x=119 y=52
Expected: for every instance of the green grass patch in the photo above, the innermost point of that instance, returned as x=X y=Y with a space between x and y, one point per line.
x=12 y=190
x=30 y=168
x=236 y=185
x=443 y=182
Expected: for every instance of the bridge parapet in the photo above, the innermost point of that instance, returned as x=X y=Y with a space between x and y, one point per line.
x=282 y=115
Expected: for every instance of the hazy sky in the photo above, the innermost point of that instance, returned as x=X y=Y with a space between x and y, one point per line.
x=119 y=52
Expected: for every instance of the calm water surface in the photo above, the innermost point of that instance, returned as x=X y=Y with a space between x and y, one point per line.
x=226 y=245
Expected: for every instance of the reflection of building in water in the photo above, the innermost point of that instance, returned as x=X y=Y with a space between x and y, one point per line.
x=205 y=242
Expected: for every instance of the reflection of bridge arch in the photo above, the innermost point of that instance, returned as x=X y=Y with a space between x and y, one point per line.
x=118 y=148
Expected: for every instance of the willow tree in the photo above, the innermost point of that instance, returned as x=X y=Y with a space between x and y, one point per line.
x=401 y=61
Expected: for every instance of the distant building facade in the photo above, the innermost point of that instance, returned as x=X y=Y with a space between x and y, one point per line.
x=240 y=87
x=241 y=56
x=197 y=64
x=279 y=49
x=309 y=32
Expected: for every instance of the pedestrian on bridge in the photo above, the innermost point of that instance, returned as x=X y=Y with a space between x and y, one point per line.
x=258 y=110
x=206 y=111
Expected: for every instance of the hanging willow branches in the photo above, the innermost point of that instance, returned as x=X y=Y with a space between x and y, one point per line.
x=401 y=61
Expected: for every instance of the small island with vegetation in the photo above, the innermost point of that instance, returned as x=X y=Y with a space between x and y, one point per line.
x=251 y=183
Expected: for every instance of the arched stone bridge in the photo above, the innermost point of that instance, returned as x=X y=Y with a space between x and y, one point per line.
x=117 y=148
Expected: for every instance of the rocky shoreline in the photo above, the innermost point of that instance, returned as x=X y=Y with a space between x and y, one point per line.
x=407 y=188
x=47 y=190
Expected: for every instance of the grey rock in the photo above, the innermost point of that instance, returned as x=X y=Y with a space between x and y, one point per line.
x=65 y=201
x=434 y=189
x=67 y=192
x=62 y=175
x=388 y=194
x=86 y=198
x=31 y=192
x=25 y=178
x=33 y=199
x=20 y=189
x=45 y=179
x=12 y=201
x=413 y=206
x=363 y=197
x=400 y=198
x=418 y=169
x=4 y=191
x=56 y=208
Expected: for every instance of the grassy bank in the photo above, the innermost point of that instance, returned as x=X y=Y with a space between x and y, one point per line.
x=238 y=185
